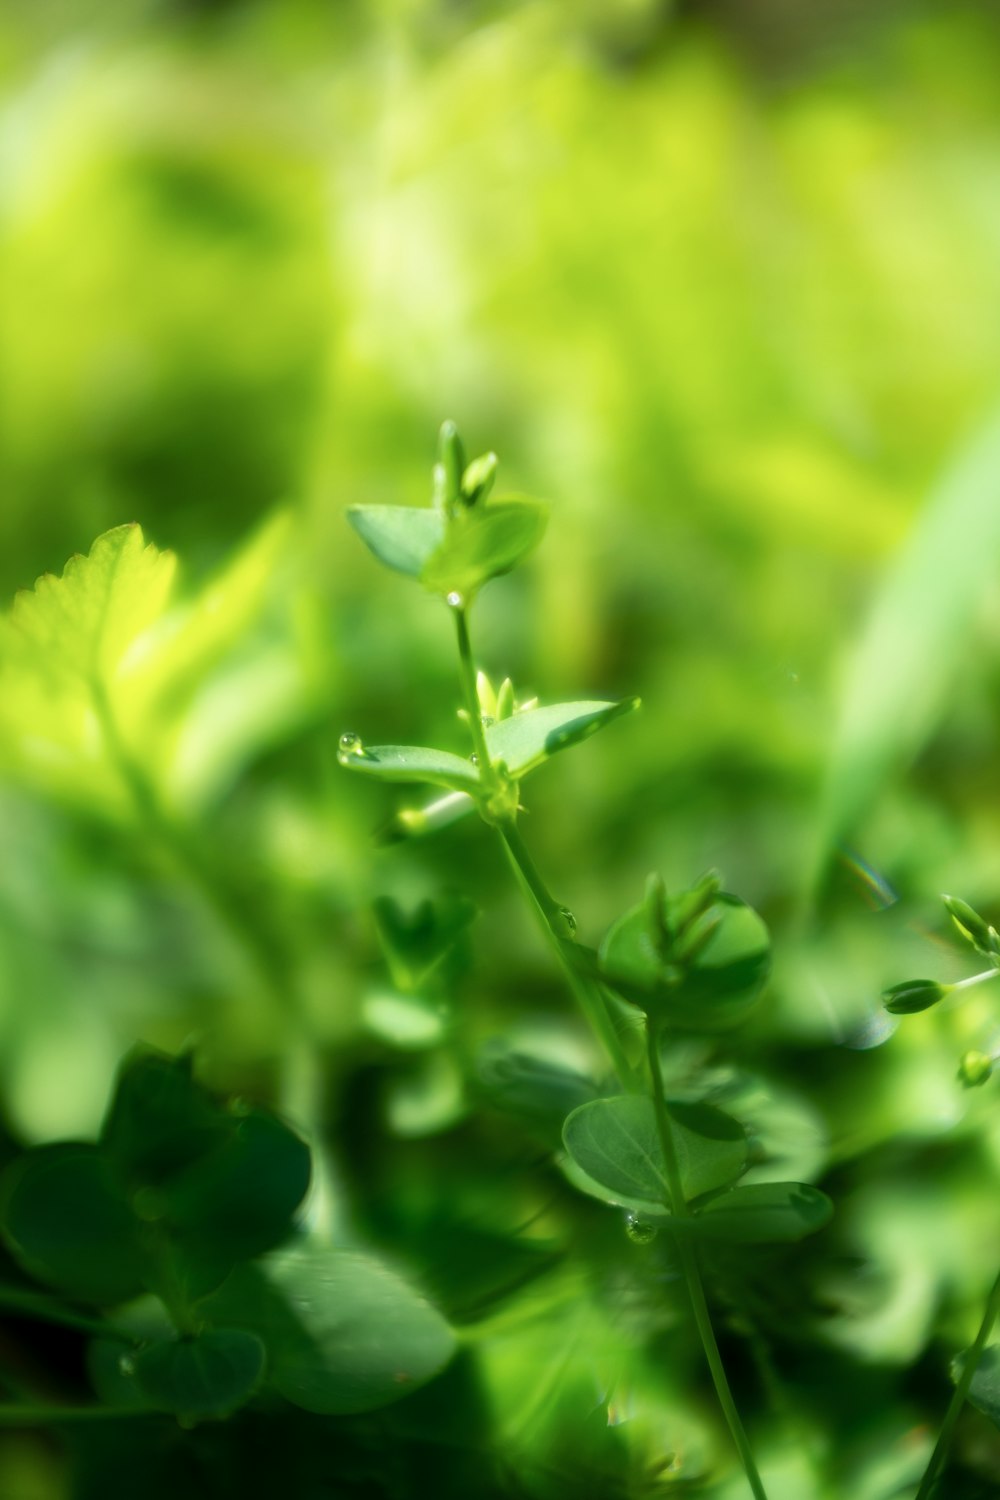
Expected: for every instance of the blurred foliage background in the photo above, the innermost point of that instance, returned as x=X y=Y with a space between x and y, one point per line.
x=720 y=279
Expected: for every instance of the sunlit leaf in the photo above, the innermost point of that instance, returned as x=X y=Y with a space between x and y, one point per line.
x=480 y=543
x=414 y=763
x=401 y=536
x=527 y=739
x=343 y=1333
x=81 y=624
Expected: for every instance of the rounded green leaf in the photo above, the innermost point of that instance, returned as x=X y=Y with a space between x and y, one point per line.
x=763 y=1213
x=401 y=536
x=706 y=986
x=984 y=1392
x=343 y=1333
x=241 y=1198
x=482 y=542
x=65 y=1220
x=160 y=1119
x=616 y=1143
x=210 y=1375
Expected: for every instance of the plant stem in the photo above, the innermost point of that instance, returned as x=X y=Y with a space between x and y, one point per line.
x=36 y=1305
x=469 y=692
x=688 y=1259
x=552 y=920
x=43 y=1416
x=951 y=1416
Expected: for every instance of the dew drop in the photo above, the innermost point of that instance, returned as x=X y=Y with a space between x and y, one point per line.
x=639 y=1231
x=350 y=743
x=126 y=1365
x=568 y=918
x=456 y=600
x=474 y=758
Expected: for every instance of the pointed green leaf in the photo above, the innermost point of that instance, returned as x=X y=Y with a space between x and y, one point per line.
x=616 y=1143
x=401 y=536
x=417 y=942
x=526 y=740
x=763 y=1213
x=81 y=625
x=481 y=543
x=972 y=927
x=65 y=1221
x=210 y=1375
x=411 y=763
x=710 y=985
x=160 y=1118
x=343 y=1333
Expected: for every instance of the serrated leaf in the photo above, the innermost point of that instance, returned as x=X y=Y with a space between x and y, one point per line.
x=80 y=626
x=210 y=1375
x=413 y=763
x=526 y=740
x=763 y=1213
x=616 y=1143
x=481 y=543
x=66 y=1222
x=343 y=1333
x=401 y=536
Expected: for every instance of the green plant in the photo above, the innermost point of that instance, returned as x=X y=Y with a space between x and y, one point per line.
x=694 y=961
x=976 y=1375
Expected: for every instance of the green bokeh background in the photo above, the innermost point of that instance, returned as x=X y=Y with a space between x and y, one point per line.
x=719 y=280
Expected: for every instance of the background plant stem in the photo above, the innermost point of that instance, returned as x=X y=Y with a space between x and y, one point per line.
x=687 y=1256
x=958 y=1400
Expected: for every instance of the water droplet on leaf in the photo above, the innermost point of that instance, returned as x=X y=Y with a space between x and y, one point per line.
x=639 y=1230
x=568 y=918
x=350 y=743
x=474 y=758
x=456 y=600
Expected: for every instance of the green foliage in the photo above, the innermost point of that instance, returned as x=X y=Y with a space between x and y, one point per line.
x=210 y=1375
x=343 y=1333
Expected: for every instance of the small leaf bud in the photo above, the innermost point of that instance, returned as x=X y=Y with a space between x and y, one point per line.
x=913 y=995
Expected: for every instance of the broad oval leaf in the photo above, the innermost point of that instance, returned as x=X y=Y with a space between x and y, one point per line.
x=401 y=536
x=343 y=1333
x=411 y=763
x=482 y=542
x=763 y=1213
x=527 y=739
x=65 y=1221
x=210 y=1375
x=616 y=1143
x=536 y=1091
x=716 y=990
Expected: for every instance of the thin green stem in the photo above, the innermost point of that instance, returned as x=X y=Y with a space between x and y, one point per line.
x=44 y=1416
x=468 y=674
x=688 y=1258
x=552 y=920
x=36 y=1305
x=951 y=1416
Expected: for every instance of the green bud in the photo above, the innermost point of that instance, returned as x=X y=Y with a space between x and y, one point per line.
x=505 y=700
x=972 y=927
x=974 y=1069
x=913 y=995
x=451 y=458
x=477 y=481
